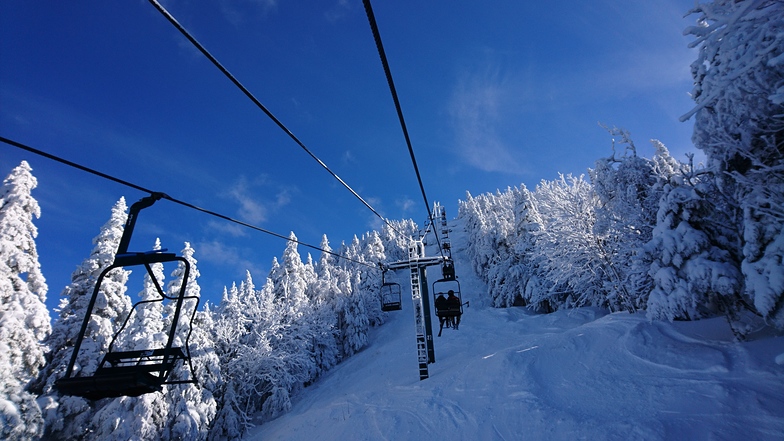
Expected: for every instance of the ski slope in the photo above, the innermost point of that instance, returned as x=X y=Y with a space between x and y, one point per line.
x=509 y=374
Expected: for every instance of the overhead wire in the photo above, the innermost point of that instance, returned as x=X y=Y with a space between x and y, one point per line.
x=172 y=199
x=388 y=72
x=261 y=106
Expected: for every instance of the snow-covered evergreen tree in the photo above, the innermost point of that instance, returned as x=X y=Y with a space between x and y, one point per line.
x=629 y=188
x=229 y=331
x=191 y=407
x=145 y=329
x=240 y=322
x=323 y=296
x=353 y=323
x=291 y=362
x=370 y=276
x=69 y=417
x=194 y=407
x=24 y=319
x=490 y=224
x=291 y=282
x=532 y=287
x=272 y=353
x=696 y=266
x=739 y=124
x=396 y=236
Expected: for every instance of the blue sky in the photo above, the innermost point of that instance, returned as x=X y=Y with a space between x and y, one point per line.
x=495 y=94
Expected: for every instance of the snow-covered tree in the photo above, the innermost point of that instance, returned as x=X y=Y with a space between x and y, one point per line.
x=353 y=323
x=396 y=236
x=24 y=319
x=490 y=224
x=532 y=287
x=240 y=321
x=272 y=353
x=629 y=188
x=291 y=280
x=739 y=124
x=694 y=274
x=69 y=417
x=145 y=329
x=194 y=407
x=229 y=331
x=370 y=276
x=292 y=341
x=567 y=250
x=191 y=407
x=323 y=294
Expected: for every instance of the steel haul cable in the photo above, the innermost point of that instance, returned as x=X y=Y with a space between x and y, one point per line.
x=169 y=198
x=261 y=106
x=382 y=54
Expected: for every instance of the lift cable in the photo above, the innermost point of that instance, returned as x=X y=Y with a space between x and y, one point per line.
x=261 y=106
x=388 y=72
x=169 y=198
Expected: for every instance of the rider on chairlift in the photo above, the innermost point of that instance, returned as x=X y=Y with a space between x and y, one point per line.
x=453 y=305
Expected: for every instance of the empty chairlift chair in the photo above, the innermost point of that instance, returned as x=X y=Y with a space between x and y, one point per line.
x=391 y=296
x=136 y=372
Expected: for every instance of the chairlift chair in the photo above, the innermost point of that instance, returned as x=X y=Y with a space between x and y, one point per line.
x=137 y=372
x=391 y=295
x=443 y=286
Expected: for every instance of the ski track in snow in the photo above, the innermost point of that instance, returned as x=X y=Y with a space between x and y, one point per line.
x=509 y=374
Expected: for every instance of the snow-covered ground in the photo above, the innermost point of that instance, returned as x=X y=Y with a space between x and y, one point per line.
x=509 y=374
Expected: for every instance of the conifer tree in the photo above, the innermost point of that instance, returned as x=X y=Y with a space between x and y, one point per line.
x=191 y=407
x=370 y=277
x=69 y=417
x=532 y=287
x=145 y=329
x=695 y=268
x=628 y=188
x=24 y=319
x=739 y=124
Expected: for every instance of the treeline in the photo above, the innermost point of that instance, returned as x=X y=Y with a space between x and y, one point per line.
x=656 y=234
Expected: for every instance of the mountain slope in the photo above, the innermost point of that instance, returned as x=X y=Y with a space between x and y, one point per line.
x=508 y=374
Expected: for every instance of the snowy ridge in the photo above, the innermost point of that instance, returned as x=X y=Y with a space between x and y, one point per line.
x=509 y=374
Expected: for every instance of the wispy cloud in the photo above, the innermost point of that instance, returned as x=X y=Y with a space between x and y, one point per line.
x=250 y=210
x=477 y=112
x=218 y=253
x=258 y=199
x=405 y=204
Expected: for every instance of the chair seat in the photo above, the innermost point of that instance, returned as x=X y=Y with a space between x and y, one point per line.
x=125 y=373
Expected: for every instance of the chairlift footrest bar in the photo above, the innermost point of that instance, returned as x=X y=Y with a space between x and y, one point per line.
x=112 y=385
x=391 y=307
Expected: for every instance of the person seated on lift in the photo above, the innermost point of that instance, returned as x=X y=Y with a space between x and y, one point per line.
x=453 y=305
x=441 y=310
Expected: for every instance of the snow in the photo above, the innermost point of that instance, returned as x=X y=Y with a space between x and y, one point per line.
x=508 y=374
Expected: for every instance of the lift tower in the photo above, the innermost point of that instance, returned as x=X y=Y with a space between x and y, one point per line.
x=417 y=264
